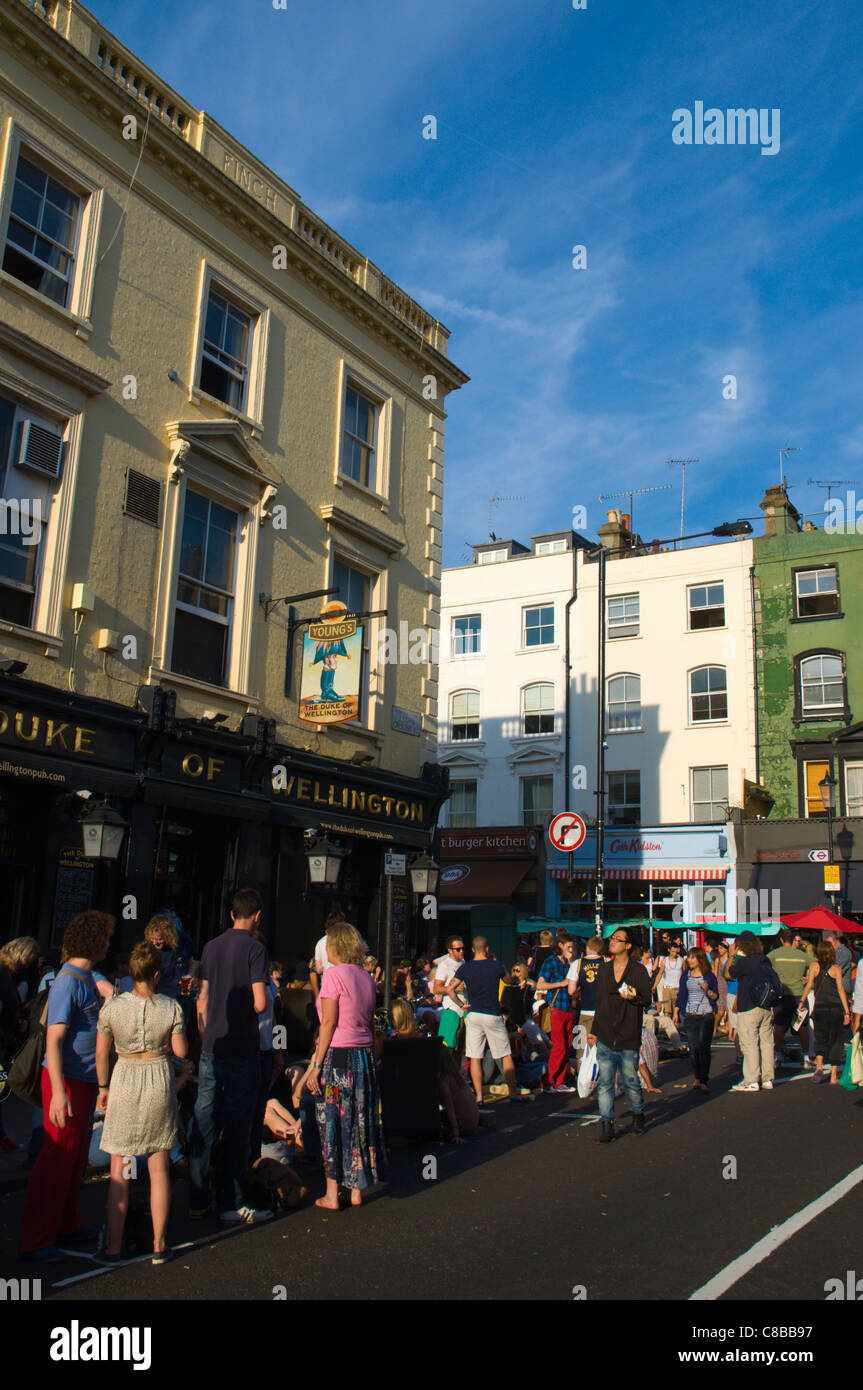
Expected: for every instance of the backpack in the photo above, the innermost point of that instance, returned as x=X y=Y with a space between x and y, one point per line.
x=768 y=990
x=25 y=1073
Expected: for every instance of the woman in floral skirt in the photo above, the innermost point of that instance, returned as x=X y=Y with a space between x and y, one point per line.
x=342 y=1073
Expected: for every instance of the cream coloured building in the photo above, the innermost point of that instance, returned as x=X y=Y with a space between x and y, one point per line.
x=208 y=400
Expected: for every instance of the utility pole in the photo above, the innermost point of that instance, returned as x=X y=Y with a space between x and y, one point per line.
x=681 y=463
x=599 y=904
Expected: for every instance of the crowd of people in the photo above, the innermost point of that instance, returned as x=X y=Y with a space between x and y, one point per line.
x=169 y=1064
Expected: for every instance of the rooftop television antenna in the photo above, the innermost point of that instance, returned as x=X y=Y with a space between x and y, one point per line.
x=681 y=463
x=632 y=492
x=783 y=455
x=834 y=482
x=492 y=503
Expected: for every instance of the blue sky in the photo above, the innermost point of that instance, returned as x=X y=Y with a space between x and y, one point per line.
x=554 y=130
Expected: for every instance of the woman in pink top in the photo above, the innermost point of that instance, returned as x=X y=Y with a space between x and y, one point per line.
x=342 y=1072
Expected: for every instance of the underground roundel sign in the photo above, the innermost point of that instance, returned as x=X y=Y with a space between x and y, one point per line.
x=567 y=831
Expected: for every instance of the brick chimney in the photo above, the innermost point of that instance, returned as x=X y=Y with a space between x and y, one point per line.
x=614 y=534
x=781 y=517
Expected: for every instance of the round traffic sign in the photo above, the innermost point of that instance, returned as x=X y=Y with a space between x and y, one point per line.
x=567 y=831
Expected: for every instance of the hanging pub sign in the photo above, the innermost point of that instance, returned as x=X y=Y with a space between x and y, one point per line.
x=332 y=663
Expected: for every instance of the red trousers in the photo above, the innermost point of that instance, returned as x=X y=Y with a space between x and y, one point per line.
x=51 y=1206
x=561 y=1037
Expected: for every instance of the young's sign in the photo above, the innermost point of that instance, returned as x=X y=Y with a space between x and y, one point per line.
x=332 y=662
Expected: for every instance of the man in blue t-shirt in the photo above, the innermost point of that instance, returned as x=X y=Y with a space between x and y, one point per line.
x=484 y=1022
x=233 y=974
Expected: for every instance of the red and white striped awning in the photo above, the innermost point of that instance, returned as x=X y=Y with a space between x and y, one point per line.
x=690 y=875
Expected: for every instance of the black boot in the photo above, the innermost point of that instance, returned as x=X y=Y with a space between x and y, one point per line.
x=638 y=1124
x=606 y=1132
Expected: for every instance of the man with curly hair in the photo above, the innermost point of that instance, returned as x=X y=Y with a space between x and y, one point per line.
x=69 y=1090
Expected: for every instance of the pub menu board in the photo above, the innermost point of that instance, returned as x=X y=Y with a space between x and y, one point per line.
x=74 y=889
x=400 y=920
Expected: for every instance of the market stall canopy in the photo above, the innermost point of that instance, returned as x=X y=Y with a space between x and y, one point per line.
x=819 y=919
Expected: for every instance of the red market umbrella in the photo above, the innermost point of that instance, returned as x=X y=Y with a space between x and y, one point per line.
x=819 y=919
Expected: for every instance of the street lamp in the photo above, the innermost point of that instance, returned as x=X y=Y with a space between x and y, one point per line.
x=602 y=553
x=324 y=861
x=103 y=830
x=827 y=788
x=424 y=875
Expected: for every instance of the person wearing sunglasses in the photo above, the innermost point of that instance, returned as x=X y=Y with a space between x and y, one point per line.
x=622 y=995
x=445 y=969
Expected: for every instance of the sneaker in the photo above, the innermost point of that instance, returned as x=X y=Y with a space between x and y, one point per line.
x=161 y=1257
x=244 y=1216
x=559 y=1090
x=809 y=1063
x=745 y=1086
x=767 y=1085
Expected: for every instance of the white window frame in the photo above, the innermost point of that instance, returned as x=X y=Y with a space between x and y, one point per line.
x=852 y=766
x=79 y=309
x=211 y=277
x=351 y=377
x=557 y=547
x=625 y=804
x=817 y=571
x=230 y=593
x=692 y=695
x=463 y=824
x=538 y=685
x=492 y=557
x=534 y=777
x=825 y=709
x=706 y=585
x=634 y=728
x=711 y=769
x=465 y=656
x=627 y=622
x=452 y=699
x=537 y=608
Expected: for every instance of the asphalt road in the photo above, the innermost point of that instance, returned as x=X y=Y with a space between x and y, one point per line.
x=536 y=1210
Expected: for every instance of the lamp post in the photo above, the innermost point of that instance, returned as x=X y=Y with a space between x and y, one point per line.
x=324 y=861
x=827 y=788
x=601 y=553
x=103 y=830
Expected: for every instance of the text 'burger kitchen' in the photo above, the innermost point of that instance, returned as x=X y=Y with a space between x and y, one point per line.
x=135 y=810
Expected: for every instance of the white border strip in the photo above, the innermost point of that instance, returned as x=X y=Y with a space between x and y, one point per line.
x=723 y=1281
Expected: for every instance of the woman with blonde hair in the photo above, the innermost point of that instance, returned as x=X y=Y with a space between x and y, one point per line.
x=161 y=933
x=140 y=1108
x=342 y=1073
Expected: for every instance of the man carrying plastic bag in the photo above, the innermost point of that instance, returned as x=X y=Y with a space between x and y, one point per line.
x=622 y=995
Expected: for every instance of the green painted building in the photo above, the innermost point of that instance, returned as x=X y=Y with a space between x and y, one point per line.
x=808 y=616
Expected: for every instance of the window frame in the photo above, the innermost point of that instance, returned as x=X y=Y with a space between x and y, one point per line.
x=821 y=762
x=692 y=722
x=463 y=824
x=824 y=714
x=796 y=615
x=851 y=764
x=707 y=585
x=617 y=598
x=473 y=738
x=541 y=733
x=78 y=311
x=213 y=278
x=630 y=728
x=710 y=768
x=535 y=777
x=351 y=377
x=464 y=656
x=537 y=608
x=622 y=772
x=230 y=593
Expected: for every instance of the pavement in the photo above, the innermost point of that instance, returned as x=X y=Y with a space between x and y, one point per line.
x=533 y=1209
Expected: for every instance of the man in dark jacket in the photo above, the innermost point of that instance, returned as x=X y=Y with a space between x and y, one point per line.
x=622 y=995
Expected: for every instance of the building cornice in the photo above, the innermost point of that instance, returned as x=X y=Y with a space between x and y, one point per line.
x=106 y=78
x=54 y=363
x=362 y=530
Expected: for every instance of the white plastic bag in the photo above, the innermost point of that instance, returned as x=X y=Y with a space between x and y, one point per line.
x=588 y=1073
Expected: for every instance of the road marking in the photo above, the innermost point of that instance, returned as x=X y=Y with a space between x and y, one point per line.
x=776 y=1237
x=106 y=1269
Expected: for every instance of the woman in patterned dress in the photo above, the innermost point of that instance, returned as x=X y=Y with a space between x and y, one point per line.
x=342 y=1072
x=141 y=1107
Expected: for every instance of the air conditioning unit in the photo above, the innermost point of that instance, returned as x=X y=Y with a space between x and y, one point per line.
x=39 y=449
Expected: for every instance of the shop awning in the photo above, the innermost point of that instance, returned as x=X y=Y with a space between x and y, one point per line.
x=482 y=880
x=665 y=874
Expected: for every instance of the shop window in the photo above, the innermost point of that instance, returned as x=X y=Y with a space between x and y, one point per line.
x=537 y=795
x=706 y=605
x=708 y=695
x=623 y=616
x=816 y=592
x=709 y=794
x=624 y=703
x=624 y=798
x=813 y=773
x=821 y=685
x=465 y=715
x=538 y=709
x=467 y=635
x=462 y=804
x=205 y=589
x=538 y=626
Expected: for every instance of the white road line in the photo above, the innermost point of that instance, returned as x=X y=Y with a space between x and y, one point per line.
x=723 y=1281
x=106 y=1269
